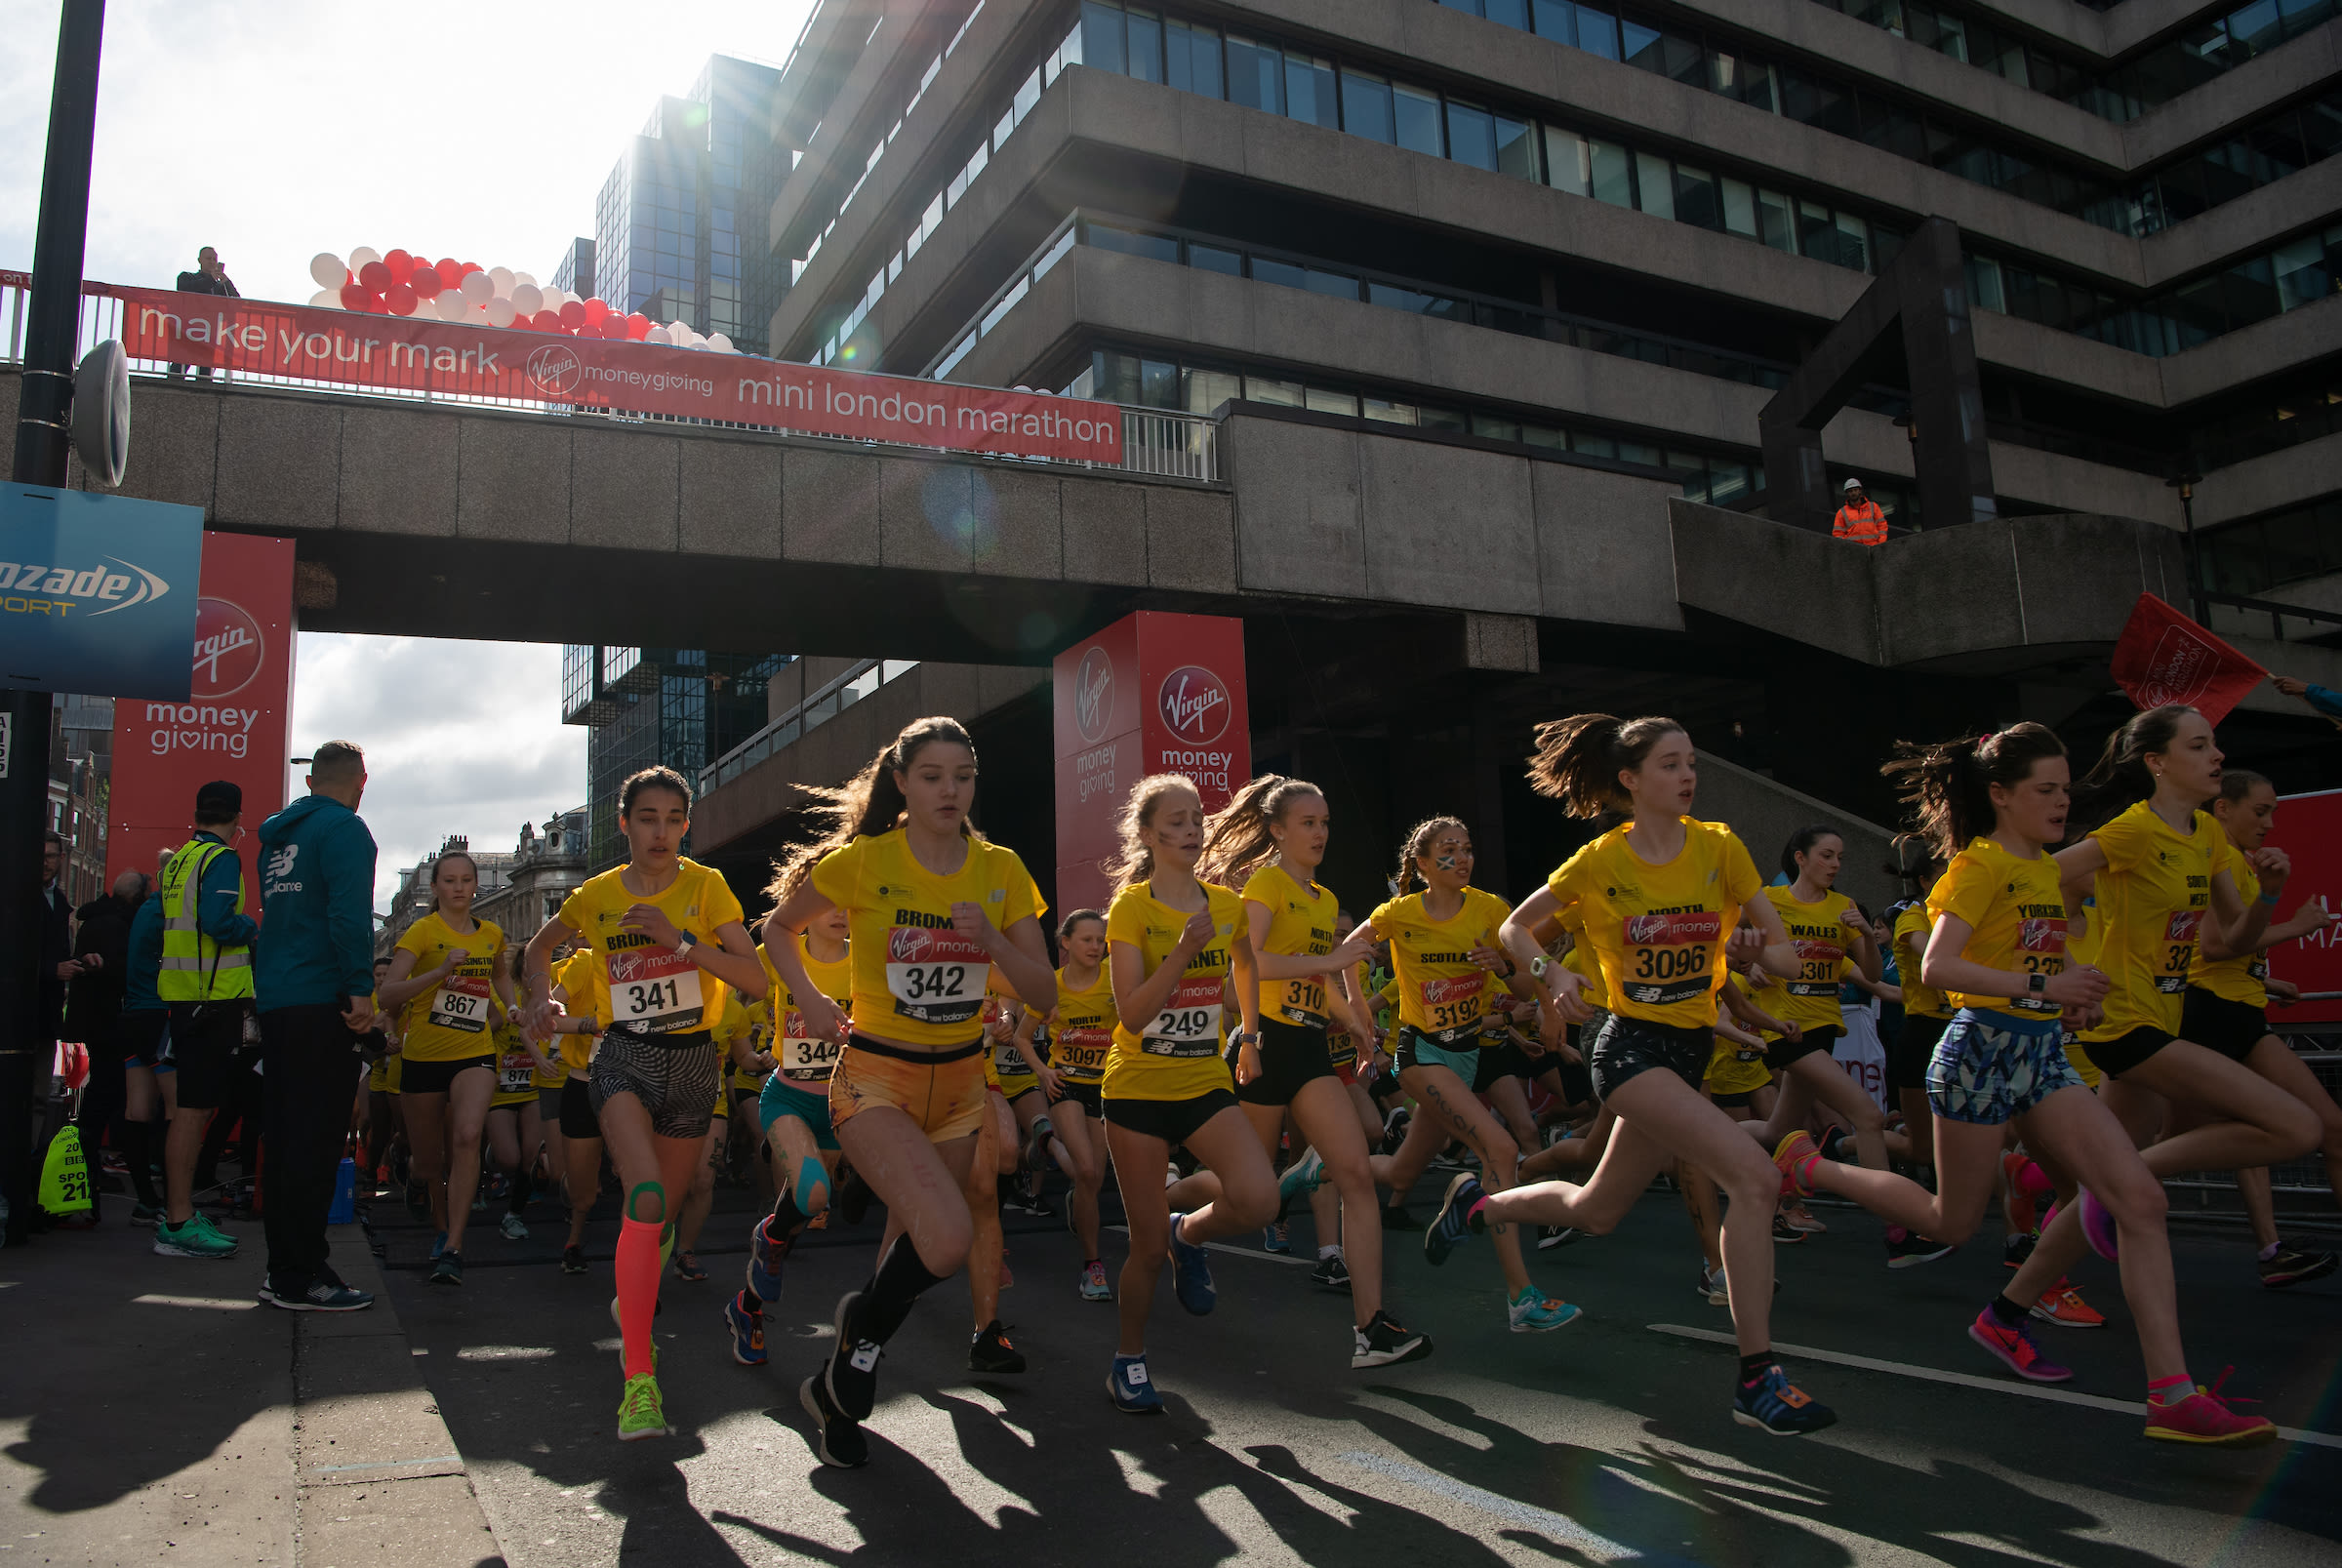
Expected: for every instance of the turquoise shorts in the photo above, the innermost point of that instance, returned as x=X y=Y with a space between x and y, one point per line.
x=781 y=1098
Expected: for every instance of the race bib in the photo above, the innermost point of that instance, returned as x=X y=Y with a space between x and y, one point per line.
x=654 y=991
x=1188 y=1025
x=516 y=1073
x=1817 y=968
x=1010 y=1063
x=1304 y=1001
x=1669 y=957
x=462 y=1003
x=2179 y=937
x=2041 y=950
x=1451 y=1003
x=935 y=977
x=804 y=1059
x=1081 y=1053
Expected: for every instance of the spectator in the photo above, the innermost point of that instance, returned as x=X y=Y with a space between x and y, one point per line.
x=209 y=277
x=316 y=999
x=2323 y=700
x=137 y=1044
x=94 y=1003
x=206 y=981
x=59 y=966
x=1861 y=519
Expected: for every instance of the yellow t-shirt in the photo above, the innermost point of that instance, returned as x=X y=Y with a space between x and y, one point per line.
x=1178 y=1054
x=802 y=1059
x=742 y=1021
x=2016 y=920
x=1659 y=931
x=1301 y=924
x=516 y=1069
x=451 y=1023
x=2244 y=977
x=639 y=985
x=916 y=981
x=1442 y=992
x=2151 y=898
x=573 y=978
x=1919 y=999
x=1809 y=998
x=1081 y=1032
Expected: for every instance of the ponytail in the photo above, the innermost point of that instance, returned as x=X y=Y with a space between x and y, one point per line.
x=2121 y=776
x=1578 y=759
x=1948 y=789
x=1134 y=863
x=870 y=804
x=1236 y=840
x=1418 y=844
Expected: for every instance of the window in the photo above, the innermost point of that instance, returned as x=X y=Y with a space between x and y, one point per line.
x=1326 y=401
x=1154 y=247
x=1516 y=148
x=1655 y=185
x=1267 y=390
x=1146 y=46
x=1597 y=33
x=1389 y=412
x=1203 y=390
x=1366 y=105
x=1310 y=91
x=1418 y=120
x=1256 y=75
x=1191 y=58
x=1282 y=273
x=1696 y=198
x=1739 y=208
x=1565 y=164
x=1611 y=178
x=1470 y=135
x=1211 y=259
x=1102 y=36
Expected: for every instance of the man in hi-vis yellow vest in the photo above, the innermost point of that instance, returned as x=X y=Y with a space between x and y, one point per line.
x=206 y=981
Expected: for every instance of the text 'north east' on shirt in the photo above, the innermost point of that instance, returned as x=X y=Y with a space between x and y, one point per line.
x=1658 y=932
x=1177 y=1057
x=1301 y=924
x=916 y=980
x=641 y=987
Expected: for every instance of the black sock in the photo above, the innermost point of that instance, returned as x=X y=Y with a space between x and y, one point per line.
x=2008 y=1313
x=521 y=1187
x=137 y=1152
x=886 y=1301
x=1753 y=1367
x=788 y=1219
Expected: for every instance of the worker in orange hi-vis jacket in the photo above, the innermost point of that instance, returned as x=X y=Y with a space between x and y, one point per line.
x=1860 y=519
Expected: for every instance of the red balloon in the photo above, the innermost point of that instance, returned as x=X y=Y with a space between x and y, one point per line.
x=612 y=326
x=375 y=305
x=573 y=313
x=470 y=267
x=400 y=300
x=639 y=327
x=450 y=270
x=375 y=278
x=354 y=295
x=425 y=282
x=547 y=321
x=596 y=310
x=400 y=265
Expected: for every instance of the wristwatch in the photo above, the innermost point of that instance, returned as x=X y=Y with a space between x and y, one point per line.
x=684 y=943
x=2037 y=984
x=1243 y=1037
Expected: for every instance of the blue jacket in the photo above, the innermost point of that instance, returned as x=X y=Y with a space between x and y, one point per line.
x=145 y=957
x=317 y=904
x=216 y=897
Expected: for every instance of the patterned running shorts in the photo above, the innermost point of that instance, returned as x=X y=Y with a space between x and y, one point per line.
x=1989 y=1068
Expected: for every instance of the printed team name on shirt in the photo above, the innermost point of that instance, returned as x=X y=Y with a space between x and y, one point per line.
x=1818 y=956
x=2041 y=948
x=934 y=973
x=1670 y=951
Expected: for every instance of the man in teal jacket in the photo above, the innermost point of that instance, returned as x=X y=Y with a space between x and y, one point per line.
x=314 y=973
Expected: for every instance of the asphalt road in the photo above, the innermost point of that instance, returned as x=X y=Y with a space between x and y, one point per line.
x=1609 y=1440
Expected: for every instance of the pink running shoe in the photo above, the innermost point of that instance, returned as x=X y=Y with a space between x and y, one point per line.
x=2098 y=1227
x=2203 y=1417
x=2013 y=1349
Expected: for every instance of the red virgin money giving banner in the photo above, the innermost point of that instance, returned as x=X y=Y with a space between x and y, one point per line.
x=413 y=353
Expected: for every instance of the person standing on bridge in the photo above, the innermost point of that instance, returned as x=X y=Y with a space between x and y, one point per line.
x=932 y=909
x=209 y=277
x=1860 y=519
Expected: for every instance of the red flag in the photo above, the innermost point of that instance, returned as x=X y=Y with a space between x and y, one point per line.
x=2164 y=656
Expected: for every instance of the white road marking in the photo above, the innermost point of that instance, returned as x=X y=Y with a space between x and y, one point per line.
x=1965 y=1380
x=505 y=1352
x=1241 y=1252
x=1557 y=1527
x=217 y=1303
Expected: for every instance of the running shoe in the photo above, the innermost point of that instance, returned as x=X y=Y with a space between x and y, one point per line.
x=148 y=1214
x=2014 y=1250
x=765 y=1257
x=1396 y=1218
x=1835 y=1142
x=1332 y=1273
x=449 y=1269
x=1095 y=1287
x=514 y=1228
x=2287 y=1266
x=2203 y=1417
x=1796 y=1157
x=320 y=1296
x=1550 y=1237
x=1191 y=1272
x=2014 y=1348
x=1533 y=1312
x=851 y=1376
x=1301 y=1178
x=438 y=1245
x=1131 y=1390
x=2098 y=1227
x=838 y=1440
x=991 y=1352
x=1712 y=1286
x=1773 y=1404
x=1278 y=1238
x=687 y=1266
x=1453 y=1223
x=573 y=1260
x=1038 y=1206
x=1395 y=1129
x=2061 y=1304
x=191 y=1239
x=1789 y=1235
x=1800 y=1219
x=748 y=1331
x=211 y=1227
x=1912 y=1249
x=1383 y=1343
x=639 y=1412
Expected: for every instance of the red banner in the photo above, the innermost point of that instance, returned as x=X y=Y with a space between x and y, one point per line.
x=416 y=353
x=232 y=724
x=2164 y=656
x=1152 y=693
x=2308 y=829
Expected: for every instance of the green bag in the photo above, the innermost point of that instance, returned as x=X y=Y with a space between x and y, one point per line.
x=66 y=1176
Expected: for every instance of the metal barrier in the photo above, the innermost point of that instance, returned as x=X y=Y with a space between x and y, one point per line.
x=832 y=698
x=1156 y=442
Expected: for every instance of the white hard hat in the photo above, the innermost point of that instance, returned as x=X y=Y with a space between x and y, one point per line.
x=1852 y=484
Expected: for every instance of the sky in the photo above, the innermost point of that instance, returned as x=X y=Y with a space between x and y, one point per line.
x=274 y=130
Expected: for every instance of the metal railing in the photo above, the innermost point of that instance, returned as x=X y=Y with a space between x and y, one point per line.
x=2278 y=612
x=818 y=706
x=1157 y=443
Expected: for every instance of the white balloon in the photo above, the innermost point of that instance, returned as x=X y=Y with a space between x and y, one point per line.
x=501 y=277
x=453 y=306
x=657 y=334
x=363 y=255
x=527 y=298
x=326 y=300
x=327 y=268
x=519 y=278
x=721 y=343
x=477 y=289
x=499 y=312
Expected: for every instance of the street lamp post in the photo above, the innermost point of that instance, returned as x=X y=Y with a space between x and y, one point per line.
x=2185 y=482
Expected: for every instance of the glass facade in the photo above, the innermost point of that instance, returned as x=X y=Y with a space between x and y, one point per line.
x=2260 y=553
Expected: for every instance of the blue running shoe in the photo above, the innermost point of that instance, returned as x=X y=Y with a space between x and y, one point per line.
x=1301 y=1178
x=747 y=1333
x=1773 y=1404
x=1131 y=1390
x=1191 y=1272
x=1453 y=1223
x=765 y=1257
x=1277 y=1239
x=1533 y=1312
x=438 y=1245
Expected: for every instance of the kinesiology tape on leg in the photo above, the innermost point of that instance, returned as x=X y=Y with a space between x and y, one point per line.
x=637 y=1267
x=886 y=1301
x=812 y=1176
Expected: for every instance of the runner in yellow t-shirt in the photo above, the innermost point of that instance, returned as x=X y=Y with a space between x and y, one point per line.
x=1069 y=1057
x=576 y=1030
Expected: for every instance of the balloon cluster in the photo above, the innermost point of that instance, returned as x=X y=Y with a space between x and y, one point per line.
x=398 y=283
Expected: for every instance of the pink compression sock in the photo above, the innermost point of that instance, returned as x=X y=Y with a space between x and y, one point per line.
x=637 y=1290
